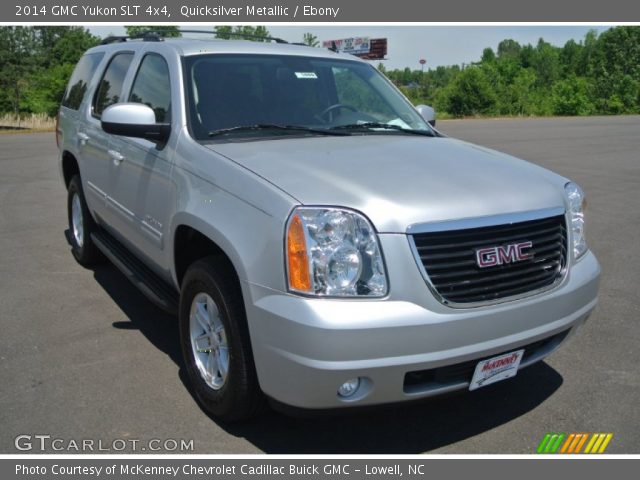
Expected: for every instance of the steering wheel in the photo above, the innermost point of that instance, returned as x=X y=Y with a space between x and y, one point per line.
x=336 y=106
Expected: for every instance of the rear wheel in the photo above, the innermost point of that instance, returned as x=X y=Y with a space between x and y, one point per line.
x=215 y=342
x=81 y=225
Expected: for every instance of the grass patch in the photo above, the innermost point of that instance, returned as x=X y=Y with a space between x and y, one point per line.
x=25 y=131
x=40 y=122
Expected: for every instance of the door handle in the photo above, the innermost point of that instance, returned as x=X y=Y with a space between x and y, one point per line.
x=84 y=138
x=117 y=157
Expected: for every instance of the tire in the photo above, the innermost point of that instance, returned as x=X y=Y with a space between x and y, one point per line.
x=211 y=296
x=81 y=226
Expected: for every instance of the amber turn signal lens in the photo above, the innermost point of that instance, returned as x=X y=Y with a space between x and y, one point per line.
x=299 y=278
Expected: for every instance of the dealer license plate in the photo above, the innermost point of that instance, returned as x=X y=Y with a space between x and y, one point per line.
x=495 y=369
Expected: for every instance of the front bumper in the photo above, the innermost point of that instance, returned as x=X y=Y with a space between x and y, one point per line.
x=304 y=348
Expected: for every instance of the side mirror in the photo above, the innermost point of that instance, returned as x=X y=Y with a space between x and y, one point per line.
x=428 y=113
x=134 y=120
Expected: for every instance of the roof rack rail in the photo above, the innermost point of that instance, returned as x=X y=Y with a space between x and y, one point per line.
x=148 y=36
x=237 y=34
x=153 y=36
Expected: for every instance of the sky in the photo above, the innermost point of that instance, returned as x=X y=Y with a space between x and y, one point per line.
x=438 y=45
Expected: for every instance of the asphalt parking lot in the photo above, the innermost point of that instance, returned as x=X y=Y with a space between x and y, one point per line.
x=83 y=355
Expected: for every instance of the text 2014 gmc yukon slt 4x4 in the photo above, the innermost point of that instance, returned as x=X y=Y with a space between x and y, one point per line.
x=323 y=245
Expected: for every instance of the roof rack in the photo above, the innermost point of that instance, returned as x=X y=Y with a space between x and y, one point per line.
x=148 y=36
x=237 y=34
x=153 y=36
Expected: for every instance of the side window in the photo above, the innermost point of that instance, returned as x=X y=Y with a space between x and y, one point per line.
x=110 y=88
x=80 y=79
x=153 y=88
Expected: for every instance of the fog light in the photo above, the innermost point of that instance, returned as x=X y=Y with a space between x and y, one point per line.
x=349 y=387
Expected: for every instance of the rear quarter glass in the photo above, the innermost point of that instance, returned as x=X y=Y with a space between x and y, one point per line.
x=80 y=79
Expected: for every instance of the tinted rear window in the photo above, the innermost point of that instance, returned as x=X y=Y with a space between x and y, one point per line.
x=80 y=79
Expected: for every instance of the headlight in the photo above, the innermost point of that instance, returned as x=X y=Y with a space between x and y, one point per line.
x=333 y=252
x=577 y=205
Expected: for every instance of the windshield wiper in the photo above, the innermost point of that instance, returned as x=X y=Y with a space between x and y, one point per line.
x=379 y=125
x=274 y=126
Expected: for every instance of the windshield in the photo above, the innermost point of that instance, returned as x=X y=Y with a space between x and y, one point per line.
x=256 y=95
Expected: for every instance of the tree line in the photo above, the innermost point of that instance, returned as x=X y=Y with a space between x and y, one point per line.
x=35 y=65
x=597 y=75
x=36 y=62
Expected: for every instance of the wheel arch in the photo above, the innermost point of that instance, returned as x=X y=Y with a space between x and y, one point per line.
x=70 y=167
x=194 y=239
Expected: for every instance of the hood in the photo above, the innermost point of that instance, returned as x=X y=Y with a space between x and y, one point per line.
x=399 y=180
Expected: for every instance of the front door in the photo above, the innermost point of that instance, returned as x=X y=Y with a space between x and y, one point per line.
x=140 y=179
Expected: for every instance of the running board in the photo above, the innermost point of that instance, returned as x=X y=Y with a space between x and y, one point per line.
x=149 y=283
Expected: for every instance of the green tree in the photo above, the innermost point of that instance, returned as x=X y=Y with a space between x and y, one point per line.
x=488 y=55
x=617 y=51
x=35 y=64
x=570 y=57
x=310 y=39
x=520 y=98
x=71 y=45
x=572 y=96
x=162 y=30
x=18 y=61
x=546 y=63
x=527 y=53
x=46 y=89
x=509 y=48
x=470 y=93
x=254 y=33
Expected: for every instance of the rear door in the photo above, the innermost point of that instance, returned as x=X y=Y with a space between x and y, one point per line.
x=72 y=125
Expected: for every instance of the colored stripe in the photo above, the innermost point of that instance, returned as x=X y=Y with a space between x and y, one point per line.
x=590 y=444
x=556 y=445
x=543 y=443
x=568 y=441
x=584 y=439
x=559 y=442
x=574 y=443
x=607 y=439
x=596 y=445
x=552 y=440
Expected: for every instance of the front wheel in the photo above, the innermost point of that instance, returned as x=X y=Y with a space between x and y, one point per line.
x=215 y=344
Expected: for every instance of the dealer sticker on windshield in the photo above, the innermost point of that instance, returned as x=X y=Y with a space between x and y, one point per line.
x=306 y=75
x=495 y=369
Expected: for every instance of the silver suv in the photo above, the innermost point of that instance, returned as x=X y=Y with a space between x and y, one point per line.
x=321 y=242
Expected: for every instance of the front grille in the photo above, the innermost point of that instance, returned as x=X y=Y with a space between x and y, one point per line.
x=435 y=378
x=449 y=259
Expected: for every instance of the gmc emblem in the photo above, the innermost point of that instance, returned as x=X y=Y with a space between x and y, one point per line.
x=492 y=256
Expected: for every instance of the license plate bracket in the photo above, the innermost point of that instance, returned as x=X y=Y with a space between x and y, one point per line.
x=496 y=369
